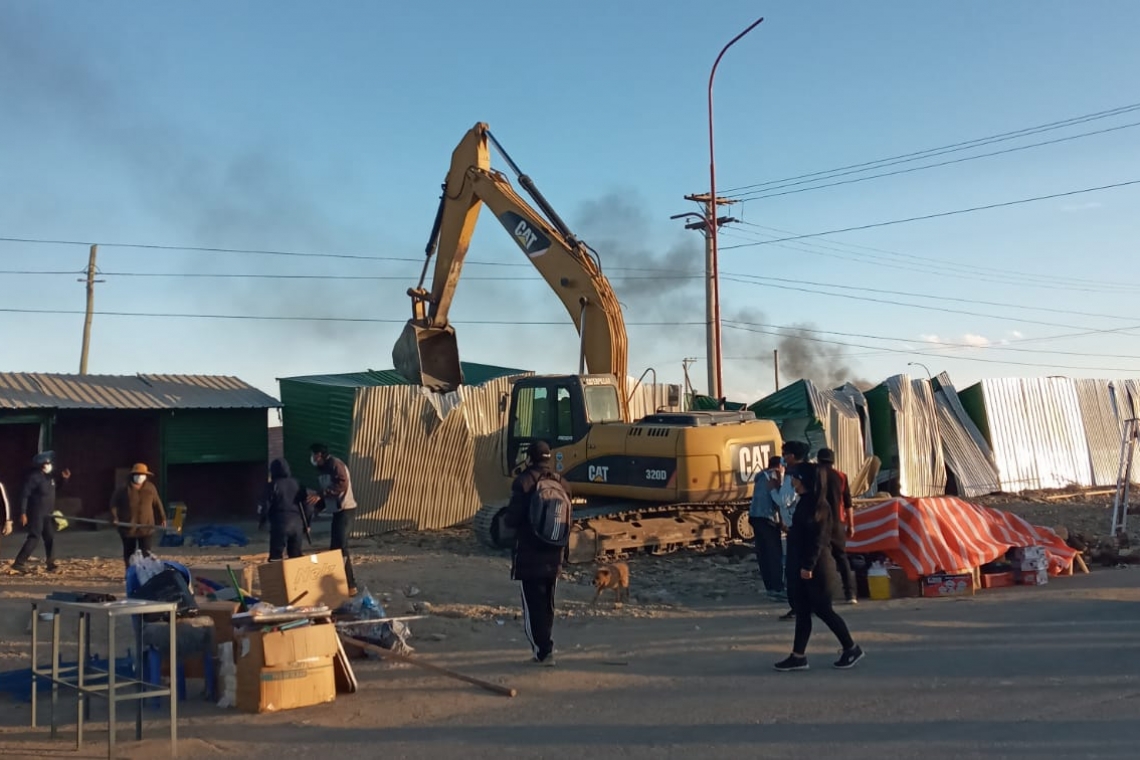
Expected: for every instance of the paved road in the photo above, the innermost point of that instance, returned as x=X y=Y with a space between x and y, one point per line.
x=1018 y=673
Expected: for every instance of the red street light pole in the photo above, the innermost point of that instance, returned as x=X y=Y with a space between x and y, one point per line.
x=714 y=269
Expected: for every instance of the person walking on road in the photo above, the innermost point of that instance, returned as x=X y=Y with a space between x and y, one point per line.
x=767 y=528
x=843 y=522
x=535 y=563
x=786 y=498
x=37 y=502
x=808 y=553
x=137 y=504
x=335 y=496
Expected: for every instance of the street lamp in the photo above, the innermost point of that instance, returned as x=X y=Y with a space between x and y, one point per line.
x=716 y=377
x=920 y=364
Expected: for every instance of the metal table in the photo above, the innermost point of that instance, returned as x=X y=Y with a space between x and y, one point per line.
x=88 y=681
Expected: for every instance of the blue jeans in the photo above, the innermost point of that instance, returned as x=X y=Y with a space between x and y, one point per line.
x=769 y=553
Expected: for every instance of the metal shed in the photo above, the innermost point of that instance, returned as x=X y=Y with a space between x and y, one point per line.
x=204 y=436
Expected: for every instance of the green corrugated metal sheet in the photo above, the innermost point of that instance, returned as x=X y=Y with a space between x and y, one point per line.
x=699 y=402
x=473 y=374
x=790 y=402
x=974 y=401
x=883 y=440
x=198 y=436
x=317 y=410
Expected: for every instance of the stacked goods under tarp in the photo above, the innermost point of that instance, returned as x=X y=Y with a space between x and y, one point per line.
x=946 y=534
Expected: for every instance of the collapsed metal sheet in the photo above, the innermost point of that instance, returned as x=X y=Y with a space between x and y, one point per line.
x=922 y=469
x=967 y=454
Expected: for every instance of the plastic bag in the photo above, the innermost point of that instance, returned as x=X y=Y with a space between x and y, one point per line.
x=146 y=566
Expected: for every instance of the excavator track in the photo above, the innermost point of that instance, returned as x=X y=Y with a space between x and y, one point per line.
x=605 y=531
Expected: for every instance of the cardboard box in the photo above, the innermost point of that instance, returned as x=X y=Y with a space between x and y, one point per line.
x=948 y=584
x=997 y=580
x=222 y=614
x=305 y=581
x=1028 y=552
x=283 y=670
x=902 y=587
x=1033 y=578
x=245 y=574
x=1033 y=565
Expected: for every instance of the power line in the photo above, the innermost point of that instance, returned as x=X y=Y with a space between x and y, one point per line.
x=938 y=215
x=952 y=148
x=928 y=353
x=772 y=192
x=285 y=318
x=368 y=277
x=968 y=269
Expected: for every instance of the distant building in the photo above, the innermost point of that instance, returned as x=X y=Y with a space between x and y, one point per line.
x=205 y=437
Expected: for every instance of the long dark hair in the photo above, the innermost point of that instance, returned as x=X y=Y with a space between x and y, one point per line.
x=814 y=480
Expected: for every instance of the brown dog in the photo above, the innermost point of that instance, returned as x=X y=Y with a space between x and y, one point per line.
x=615 y=577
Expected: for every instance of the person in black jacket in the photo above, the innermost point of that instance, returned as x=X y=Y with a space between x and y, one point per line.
x=284 y=507
x=809 y=550
x=842 y=521
x=37 y=502
x=534 y=563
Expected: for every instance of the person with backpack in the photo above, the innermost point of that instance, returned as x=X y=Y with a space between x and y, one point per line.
x=540 y=513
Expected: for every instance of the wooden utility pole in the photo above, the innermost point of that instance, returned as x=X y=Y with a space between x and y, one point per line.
x=712 y=282
x=776 y=364
x=90 y=280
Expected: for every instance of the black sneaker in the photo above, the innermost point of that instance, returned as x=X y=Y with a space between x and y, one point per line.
x=848 y=658
x=789 y=615
x=52 y=567
x=790 y=663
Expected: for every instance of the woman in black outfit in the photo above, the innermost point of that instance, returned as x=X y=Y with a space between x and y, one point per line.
x=809 y=550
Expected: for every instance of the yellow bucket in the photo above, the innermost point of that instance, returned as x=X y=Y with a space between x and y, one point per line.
x=879 y=586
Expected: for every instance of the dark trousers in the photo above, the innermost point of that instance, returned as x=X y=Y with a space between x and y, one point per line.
x=341 y=526
x=538 y=615
x=39 y=527
x=285 y=538
x=842 y=563
x=131 y=543
x=814 y=597
x=769 y=553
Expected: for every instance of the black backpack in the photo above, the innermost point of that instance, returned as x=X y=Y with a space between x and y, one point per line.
x=550 y=511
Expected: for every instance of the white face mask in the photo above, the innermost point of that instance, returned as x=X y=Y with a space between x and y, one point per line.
x=313 y=460
x=47 y=468
x=138 y=479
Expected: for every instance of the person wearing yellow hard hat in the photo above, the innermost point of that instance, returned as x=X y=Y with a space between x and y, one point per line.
x=137 y=504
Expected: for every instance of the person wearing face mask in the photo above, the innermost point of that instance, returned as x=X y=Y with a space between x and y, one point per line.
x=138 y=505
x=37 y=502
x=335 y=496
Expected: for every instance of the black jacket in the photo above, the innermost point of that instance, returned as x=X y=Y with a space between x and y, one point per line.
x=283 y=500
x=531 y=560
x=809 y=537
x=38 y=496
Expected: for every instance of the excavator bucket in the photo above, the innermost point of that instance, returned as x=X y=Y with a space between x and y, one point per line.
x=429 y=356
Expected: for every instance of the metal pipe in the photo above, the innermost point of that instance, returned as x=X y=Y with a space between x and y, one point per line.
x=714 y=276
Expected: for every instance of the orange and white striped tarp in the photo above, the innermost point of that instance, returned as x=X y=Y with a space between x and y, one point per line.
x=945 y=534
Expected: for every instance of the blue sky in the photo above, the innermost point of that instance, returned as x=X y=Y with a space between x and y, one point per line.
x=327 y=128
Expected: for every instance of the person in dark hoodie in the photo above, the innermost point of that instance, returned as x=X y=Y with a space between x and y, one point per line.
x=809 y=551
x=37 y=502
x=536 y=565
x=283 y=506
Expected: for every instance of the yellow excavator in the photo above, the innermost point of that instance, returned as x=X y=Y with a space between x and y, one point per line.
x=668 y=480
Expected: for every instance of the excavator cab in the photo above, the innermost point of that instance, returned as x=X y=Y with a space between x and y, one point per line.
x=558 y=409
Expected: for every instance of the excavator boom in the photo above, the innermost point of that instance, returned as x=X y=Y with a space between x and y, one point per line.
x=427 y=352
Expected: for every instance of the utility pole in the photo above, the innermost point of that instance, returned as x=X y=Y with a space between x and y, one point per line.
x=91 y=281
x=712 y=283
x=776 y=363
x=685 y=364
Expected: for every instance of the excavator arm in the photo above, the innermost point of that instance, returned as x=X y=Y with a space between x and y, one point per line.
x=427 y=352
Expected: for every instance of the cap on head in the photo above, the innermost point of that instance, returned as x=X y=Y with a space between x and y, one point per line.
x=43 y=458
x=826 y=456
x=539 y=451
x=140 y=469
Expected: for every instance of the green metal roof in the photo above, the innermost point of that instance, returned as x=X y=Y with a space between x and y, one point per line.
x=473 y=374
x=790 y=402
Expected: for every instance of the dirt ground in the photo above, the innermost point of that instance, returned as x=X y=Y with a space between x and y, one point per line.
x=472 y=623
